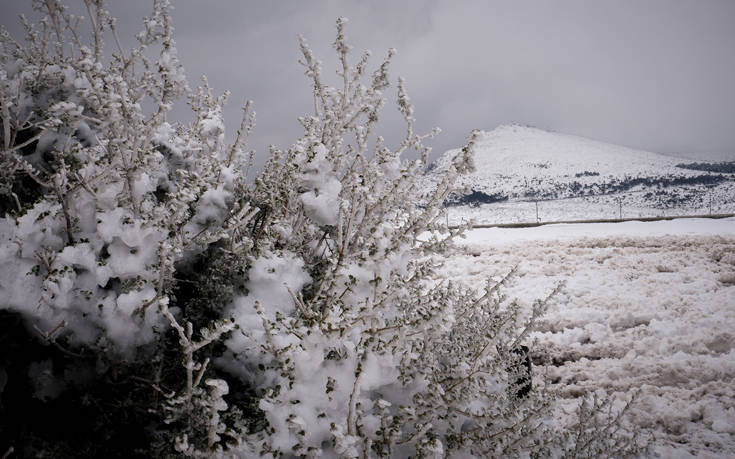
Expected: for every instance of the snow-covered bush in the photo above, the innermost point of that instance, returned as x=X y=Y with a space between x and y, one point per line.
x=103 y=199
x=297 y=315
x=356 y=348
x=113 y=197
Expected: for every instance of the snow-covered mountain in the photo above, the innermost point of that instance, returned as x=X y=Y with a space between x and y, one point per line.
x=570 y=177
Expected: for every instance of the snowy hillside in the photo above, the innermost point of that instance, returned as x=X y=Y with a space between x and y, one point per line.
x=574 y=178
x=646 y=309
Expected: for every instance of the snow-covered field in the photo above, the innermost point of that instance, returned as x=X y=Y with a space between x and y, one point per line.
x=624 y=205
x=647 y=308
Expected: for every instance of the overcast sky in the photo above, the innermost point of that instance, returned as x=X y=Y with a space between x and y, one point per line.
x=657 y=75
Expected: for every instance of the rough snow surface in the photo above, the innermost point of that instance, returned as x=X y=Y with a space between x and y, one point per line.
x=647 y=309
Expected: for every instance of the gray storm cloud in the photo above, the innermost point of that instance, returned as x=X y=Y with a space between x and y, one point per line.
x=657 y=75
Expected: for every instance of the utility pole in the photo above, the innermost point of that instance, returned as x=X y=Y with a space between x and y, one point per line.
x=620 y=208
x=538 y=220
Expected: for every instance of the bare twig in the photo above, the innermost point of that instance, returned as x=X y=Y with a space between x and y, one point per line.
x=49 y=338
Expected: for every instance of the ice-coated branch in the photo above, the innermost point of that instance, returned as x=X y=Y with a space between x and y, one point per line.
x=97 y=16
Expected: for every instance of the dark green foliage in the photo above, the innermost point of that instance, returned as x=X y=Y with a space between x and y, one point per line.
x=101 y=410
x=102 y=404
x=205 y=286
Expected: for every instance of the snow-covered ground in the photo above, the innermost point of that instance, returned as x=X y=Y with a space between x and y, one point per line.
x=647 y=308
x=625 y=205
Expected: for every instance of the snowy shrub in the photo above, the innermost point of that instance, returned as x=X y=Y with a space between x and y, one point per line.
x=197 y=314
x=355 y=347
x=112 y=197
x=103 y=199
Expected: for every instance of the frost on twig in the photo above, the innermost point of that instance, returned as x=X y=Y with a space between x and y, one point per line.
x=196 y=409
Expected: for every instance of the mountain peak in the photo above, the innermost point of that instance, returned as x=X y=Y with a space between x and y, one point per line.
x=525 y=146
x=522 y=163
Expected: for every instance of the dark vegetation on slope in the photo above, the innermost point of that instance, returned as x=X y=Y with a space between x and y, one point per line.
x=474 y=199
x=676 y=197
x=620 y=185
x=727 y=167
x=663 y=189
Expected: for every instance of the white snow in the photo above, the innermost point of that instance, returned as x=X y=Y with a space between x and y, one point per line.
x=647 y=309
x=321 y=188
x=272 y=279
x=534 y=153
x=681 y=227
